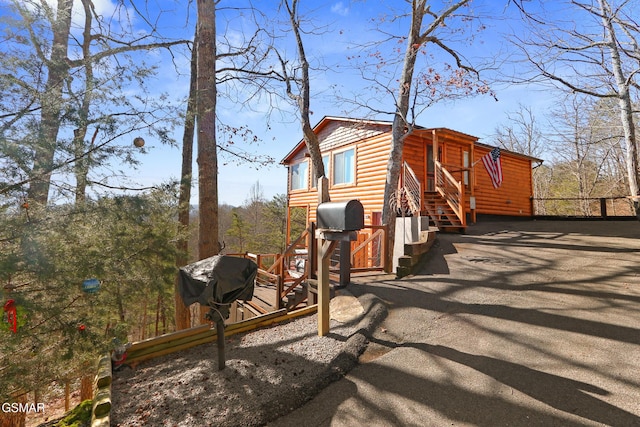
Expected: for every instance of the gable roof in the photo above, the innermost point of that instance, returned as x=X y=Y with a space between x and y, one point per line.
x=324 y=122
x=327 y=120
x=512 y=153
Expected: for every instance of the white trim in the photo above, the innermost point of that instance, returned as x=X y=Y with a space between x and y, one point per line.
x=306 y=177
x=343 y=150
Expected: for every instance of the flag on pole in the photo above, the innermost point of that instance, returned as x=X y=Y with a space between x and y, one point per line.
x=491 y=162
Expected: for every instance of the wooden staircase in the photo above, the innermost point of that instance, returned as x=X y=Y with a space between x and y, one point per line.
x=441 y=214
x=297 y=296
x=444 y=207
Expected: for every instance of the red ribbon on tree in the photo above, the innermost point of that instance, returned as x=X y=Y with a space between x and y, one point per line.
x=12 y=315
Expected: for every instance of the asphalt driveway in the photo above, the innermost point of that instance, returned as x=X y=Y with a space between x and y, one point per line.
x=532 y=323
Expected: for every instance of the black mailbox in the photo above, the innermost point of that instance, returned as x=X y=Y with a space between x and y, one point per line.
x=341 y=216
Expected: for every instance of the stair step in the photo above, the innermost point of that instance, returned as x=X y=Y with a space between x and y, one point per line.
x=402 y=271
x=440 y=213
x=294 y=298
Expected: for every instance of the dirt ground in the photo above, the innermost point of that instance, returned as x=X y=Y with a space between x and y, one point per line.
x=269 y=372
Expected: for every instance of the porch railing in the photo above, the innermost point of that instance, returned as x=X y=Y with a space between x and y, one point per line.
x=370 y=249
x=451 y=190
x=411 y=190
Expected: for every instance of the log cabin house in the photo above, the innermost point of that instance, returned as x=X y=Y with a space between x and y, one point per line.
x=442 y=176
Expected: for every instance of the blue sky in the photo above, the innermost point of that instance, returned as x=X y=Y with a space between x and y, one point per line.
x=348 y=24
x=343 y=27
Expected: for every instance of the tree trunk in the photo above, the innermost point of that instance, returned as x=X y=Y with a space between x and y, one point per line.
x=86 y=388
x=120 y=303
x=304 y=99
x=14 y=419
x=626 y=106
x=400 y=127
x=182 y=316
x=208 y=241
x=81 y=166
x=51 y=105
x=158 y=307
x=143 y=326
x=206 y=124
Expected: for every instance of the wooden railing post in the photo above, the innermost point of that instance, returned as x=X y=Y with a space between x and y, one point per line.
x=385 y=249
x=279 y=289
x=312 y=260
x=325 y=248
x=603 y=207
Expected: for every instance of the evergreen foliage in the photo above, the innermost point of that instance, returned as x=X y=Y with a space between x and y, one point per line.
x=78 y=417
x=126 y=242
x=259 y=226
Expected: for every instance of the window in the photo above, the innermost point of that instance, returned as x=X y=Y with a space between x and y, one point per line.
x=299 y=176
x=314 y=178
x=344 y=167
x=465 y=164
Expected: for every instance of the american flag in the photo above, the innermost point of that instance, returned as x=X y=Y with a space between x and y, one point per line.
x=491 y=162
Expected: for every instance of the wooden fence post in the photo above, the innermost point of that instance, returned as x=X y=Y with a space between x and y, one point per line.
x=603 y=207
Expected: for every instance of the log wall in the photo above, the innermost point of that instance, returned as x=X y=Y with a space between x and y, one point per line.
x=513 y=197
x=371 y=156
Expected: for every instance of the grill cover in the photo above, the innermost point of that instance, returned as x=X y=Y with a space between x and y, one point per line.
x=219 y=279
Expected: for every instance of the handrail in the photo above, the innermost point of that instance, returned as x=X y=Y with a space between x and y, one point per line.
x=451 y=190
x=291 y=287
x=411 y=189
x=287 y=251
x=365 y=243
x=594 y=207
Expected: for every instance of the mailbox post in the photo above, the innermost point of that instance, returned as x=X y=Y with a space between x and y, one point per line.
x=337 y=222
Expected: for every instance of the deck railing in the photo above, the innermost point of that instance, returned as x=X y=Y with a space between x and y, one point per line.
x=584 y=207
x=368 y=252
x=285 y=272
x=451 y=190
x=282 y=271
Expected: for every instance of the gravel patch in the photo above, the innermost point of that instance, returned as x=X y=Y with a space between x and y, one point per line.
x=269 y=373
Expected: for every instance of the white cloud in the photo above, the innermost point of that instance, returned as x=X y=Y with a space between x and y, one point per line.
x=340 y=9
x=102 y=7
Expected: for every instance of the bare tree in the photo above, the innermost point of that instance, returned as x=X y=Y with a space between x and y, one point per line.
x=429 y=32
x=182 y=314
x=208 y=77
x=303 y=96
x=522 y=134
x=51 y=102
x=574 y=148
x=594 y=53
x=216 y=60
x=273 y=75
x=604 y=120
